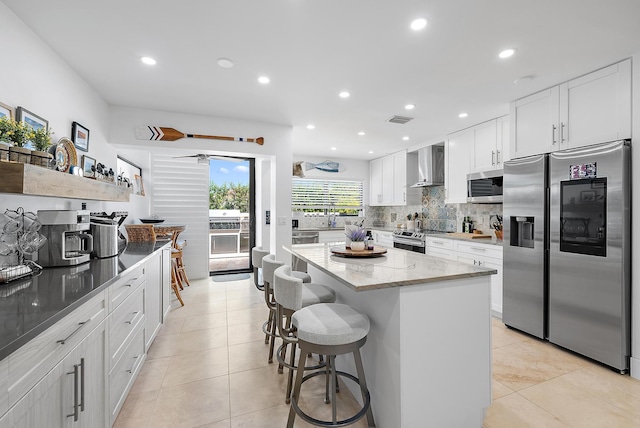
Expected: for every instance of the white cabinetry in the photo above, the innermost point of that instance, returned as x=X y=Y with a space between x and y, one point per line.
x=382 y=238
x=440 y=247
x=456 y=155
x=489 y=256
x=389 y=177
x=72 y=394
x=590 y=109
x=331 y=236
x=153 y=309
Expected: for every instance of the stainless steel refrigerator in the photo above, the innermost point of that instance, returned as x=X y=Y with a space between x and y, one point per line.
x=567 y=247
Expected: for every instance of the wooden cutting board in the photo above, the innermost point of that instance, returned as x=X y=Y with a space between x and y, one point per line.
x=469 y=235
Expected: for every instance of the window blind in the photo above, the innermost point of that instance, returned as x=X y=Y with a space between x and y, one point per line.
x=321 y=194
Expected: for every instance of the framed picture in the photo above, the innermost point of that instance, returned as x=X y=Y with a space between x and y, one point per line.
x=88 y=166
x=80 y=136
x=6 y=111
x=33 y=120
x=138 y=188
x=587 y=196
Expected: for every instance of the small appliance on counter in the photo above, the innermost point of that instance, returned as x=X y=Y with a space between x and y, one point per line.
x=68 y=241
x=108 y=241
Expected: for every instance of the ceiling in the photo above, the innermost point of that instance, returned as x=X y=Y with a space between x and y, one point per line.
x=312 y=50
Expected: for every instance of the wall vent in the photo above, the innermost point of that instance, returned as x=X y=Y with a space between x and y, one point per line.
x=400 y=119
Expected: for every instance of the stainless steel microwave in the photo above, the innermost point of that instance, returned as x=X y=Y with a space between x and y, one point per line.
x=485 y=187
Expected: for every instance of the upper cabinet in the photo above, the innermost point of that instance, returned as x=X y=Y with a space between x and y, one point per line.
x=390 y=178
x=490 y=145
x=456 y=167
x=590 y=109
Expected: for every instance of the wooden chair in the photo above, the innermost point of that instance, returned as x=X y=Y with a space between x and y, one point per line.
x=140 y=233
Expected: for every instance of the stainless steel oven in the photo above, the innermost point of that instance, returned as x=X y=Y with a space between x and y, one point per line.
x=411 y=241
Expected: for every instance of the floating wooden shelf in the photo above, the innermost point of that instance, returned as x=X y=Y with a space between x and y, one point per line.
x=28 y=179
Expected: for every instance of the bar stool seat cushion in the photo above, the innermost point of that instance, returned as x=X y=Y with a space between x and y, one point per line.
x=305 y=277
x=317 y=293
x=330 y=324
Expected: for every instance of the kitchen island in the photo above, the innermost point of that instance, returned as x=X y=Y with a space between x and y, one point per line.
x=428 y=354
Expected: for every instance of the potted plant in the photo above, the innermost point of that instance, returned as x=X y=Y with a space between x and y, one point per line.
x=41 y=139
x=357 y=237
x=16 y=134
x=6 y=129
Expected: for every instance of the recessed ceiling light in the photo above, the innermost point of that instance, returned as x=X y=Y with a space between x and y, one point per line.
x=148 y=60
x=225 y=62
x=361 y=133
x=418 y=24
x=410 y=106
x=463 y=115
x=370 y=152
x=311 y=126
x=405 y=138
x=506 y=53
x=344 y=94
x=334 y=148
x=264 y=80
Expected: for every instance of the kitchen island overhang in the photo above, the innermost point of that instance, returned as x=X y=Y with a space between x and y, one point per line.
x=428 y=353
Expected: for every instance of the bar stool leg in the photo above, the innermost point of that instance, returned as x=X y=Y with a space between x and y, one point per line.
x=295 y=394
x=363 y=384
x=272 y=340
x=182 y=271
x=174 y=286
x=292 y=360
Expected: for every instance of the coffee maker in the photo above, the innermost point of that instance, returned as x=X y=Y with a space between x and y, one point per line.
x=68 y=240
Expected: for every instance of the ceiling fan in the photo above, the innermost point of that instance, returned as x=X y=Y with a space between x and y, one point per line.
x=204 y=158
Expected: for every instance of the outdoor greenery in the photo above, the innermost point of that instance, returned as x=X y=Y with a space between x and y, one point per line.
x=229 y=196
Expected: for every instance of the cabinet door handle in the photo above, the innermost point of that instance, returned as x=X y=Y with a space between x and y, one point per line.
x=493 y=155
x=497 y=157
x=404 y=196
x=561 y=132
x=553 y=134
x=135 y=314
x=63 y=341
x=130 y=283
x=75 y=393
x=82 y=384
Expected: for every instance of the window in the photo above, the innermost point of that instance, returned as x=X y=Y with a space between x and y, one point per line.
x=327 y=196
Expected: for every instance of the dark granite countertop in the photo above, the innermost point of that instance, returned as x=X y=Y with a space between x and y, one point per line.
x=29 y=306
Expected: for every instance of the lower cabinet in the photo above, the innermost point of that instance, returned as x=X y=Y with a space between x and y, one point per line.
x=439 y=247
x=382 y=238
x=489 y=256
x=72 y=394
x=78 y=372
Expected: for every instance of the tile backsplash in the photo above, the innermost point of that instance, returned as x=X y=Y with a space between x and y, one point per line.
x=435 y=213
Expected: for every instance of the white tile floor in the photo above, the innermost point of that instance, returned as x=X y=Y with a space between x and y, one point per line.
x=208 y=368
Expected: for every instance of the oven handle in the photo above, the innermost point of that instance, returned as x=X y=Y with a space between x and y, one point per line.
x=415 y=243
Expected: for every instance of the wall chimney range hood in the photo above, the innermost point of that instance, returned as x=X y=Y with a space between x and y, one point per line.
x=430 y=166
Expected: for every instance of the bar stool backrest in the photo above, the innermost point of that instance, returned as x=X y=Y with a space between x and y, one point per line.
x=287 y=290
x=257 y=253
x=269 y=266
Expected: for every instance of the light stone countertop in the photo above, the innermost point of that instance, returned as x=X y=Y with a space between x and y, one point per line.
x=394 y=269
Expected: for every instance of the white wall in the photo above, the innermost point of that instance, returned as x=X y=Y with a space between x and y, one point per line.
x=276 y=152
x=34 y=77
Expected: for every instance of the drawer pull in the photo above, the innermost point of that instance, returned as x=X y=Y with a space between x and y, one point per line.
x=63 y=341
x=437 y=242
x=135 y=315
x=478 y=249
x=130 y=283
x=134 y=367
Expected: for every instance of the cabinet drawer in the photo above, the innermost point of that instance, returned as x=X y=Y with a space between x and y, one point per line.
x=122 y=288
x=440 y=243
x=442 y=253
x=483 y=250
x=123 y=321
x=125 y=371
x=32 y=361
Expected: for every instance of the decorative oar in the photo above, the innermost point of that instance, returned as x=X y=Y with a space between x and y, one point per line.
x=160 y=133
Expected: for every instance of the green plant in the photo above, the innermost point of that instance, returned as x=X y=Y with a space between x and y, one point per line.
x=14 y=132
x=41 y=139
